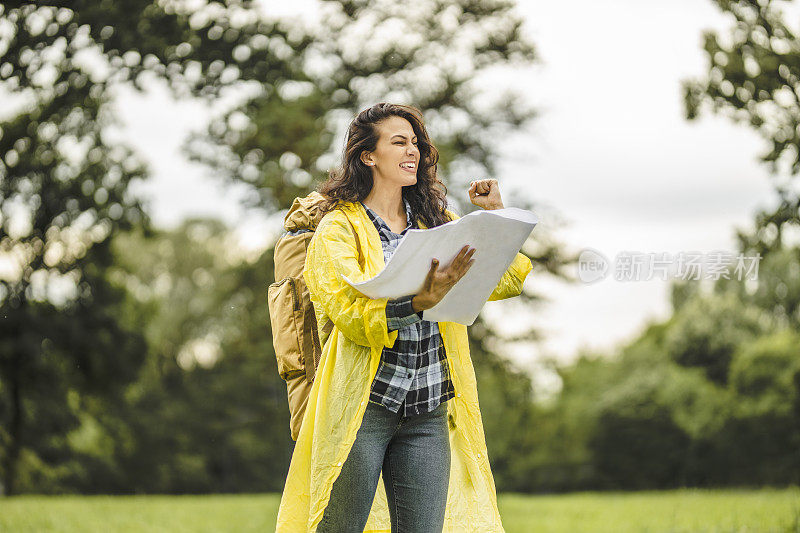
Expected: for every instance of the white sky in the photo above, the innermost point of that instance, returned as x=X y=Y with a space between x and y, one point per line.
x=611 y=154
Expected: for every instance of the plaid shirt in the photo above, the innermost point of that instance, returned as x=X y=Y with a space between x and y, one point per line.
x=413 y=374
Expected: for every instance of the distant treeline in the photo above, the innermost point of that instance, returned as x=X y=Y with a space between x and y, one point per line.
x=707 y=398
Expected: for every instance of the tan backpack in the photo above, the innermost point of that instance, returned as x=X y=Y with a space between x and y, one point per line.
x=295 y=338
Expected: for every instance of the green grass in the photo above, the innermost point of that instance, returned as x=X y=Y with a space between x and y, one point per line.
x=679 y=511
x=764 y=510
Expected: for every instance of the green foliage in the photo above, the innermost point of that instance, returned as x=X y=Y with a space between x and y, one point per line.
x=777 y=291
x=632 y=423
x=753 y=78
x=641 y=449
x=64 y=192
x=209 y=412
x=765 y=371
x=708 y=397
x=753 y=75
x=707 y=331
x=508 y=413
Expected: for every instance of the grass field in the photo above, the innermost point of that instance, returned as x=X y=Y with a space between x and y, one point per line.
x=764 y=510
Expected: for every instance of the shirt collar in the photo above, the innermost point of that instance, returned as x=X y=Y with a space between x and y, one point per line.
x=409 y=216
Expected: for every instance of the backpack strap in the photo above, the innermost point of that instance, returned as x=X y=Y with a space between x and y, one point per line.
x=361 y=260
x=328 y=327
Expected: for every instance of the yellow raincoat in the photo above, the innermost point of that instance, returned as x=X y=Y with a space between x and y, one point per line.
x=350 y=359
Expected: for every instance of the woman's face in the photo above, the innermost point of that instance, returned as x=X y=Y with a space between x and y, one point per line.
x=396 y=157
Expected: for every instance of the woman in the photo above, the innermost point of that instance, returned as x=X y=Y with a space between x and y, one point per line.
x=394 y=396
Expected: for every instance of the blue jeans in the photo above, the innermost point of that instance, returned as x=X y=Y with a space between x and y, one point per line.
x=414 y=455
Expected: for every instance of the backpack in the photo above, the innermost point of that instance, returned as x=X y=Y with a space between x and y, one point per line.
x=296 y=341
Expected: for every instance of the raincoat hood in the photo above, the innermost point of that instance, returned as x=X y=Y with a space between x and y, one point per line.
x=350 y=359
x=304 y=213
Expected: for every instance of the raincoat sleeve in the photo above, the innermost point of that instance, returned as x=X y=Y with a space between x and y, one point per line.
x=331 y=254
x=510 y=284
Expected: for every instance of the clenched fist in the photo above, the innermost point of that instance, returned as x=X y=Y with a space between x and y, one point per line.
x=485 y=194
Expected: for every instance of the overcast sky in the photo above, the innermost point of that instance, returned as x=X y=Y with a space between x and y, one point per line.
x=611 y=154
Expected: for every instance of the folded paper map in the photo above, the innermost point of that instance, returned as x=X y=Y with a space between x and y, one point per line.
x=497 y=236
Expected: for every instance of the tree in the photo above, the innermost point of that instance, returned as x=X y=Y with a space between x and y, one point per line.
x=64 y=191
x=208 y=412
x=754 y=78
x=708 y=330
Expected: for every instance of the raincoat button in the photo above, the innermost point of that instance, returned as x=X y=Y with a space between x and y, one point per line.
x=459 y=395
x=339 y=463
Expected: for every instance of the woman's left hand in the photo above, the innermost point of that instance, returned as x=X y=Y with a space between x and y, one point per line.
x=485 y=194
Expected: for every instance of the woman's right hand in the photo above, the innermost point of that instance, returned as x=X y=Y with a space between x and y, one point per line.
x=440 y=281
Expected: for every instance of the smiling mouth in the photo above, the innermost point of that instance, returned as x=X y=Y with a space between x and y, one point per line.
x=409 y=169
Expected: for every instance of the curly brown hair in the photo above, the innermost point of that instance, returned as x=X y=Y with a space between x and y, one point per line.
x=352 y=180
